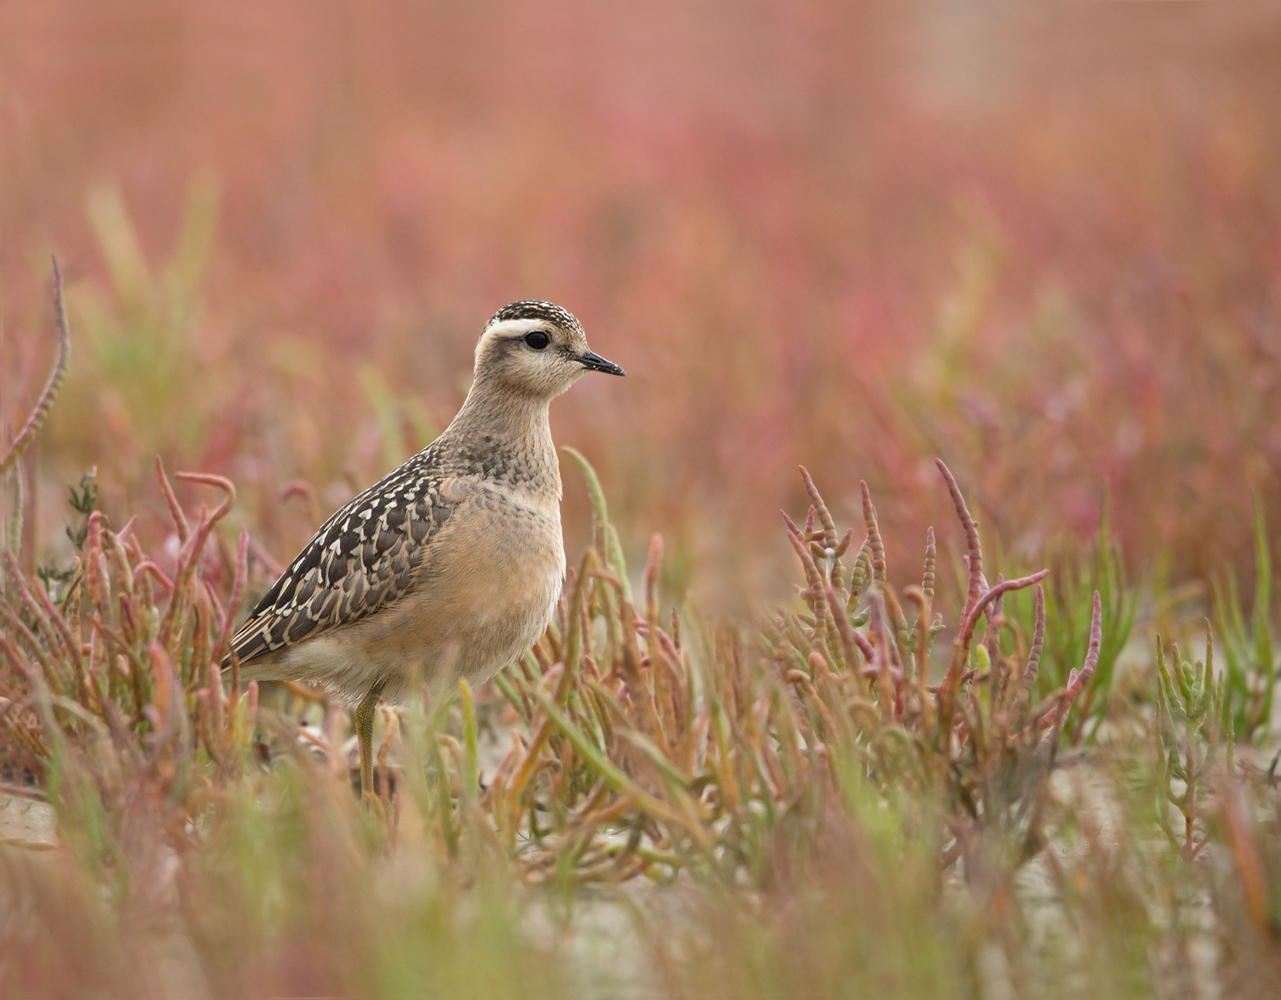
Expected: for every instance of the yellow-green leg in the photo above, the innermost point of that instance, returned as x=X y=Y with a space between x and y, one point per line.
x=365 y=737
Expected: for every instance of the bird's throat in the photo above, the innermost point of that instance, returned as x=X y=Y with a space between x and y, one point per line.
x=509 y=433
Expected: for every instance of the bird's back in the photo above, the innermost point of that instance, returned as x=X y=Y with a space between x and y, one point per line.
x=449 y=566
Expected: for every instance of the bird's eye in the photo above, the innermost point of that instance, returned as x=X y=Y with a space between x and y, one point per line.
x=537 y=339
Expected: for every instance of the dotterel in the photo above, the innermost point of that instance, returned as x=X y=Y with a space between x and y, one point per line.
x=450 y=566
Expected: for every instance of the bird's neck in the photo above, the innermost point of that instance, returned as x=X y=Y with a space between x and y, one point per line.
x=506 y=436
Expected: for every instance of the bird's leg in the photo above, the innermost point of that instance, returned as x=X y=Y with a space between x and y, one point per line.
x=365 y=737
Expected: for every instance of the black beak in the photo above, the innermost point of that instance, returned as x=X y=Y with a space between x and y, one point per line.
x=598 y=364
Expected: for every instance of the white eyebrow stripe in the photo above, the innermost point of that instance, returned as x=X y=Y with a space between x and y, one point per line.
x=517 y=327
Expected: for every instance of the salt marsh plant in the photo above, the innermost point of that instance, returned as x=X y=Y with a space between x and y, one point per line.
x=844 y=794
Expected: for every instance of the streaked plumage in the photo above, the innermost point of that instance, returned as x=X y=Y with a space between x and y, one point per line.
x=451 y=565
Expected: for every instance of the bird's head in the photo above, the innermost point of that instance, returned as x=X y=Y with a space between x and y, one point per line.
x=537 y=349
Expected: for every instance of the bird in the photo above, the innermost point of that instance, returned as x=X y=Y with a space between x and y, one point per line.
x=450 y=566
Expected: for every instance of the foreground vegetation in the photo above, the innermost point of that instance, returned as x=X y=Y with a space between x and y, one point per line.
x=845 y=797
x=753 y=758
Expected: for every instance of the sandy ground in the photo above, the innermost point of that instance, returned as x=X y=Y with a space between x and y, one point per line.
x=26 y=822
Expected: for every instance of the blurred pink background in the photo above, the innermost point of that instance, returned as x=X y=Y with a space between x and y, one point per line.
x=1041 y=241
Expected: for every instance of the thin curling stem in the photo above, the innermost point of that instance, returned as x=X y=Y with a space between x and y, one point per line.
x=922 y=602
x=1019 y=701
x=961 y=647
x=973 y=549
x=884 y=661
x=175 y=508
x=824 y=515
x=227 y=626
x=192 y=552
x=825 y=628
x=860 y=575
x=56 y=377
x=927 y=581
x=1077 y=679
x=873 y=535
x=851 y=640
x=995 y=594
x=11 y=541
